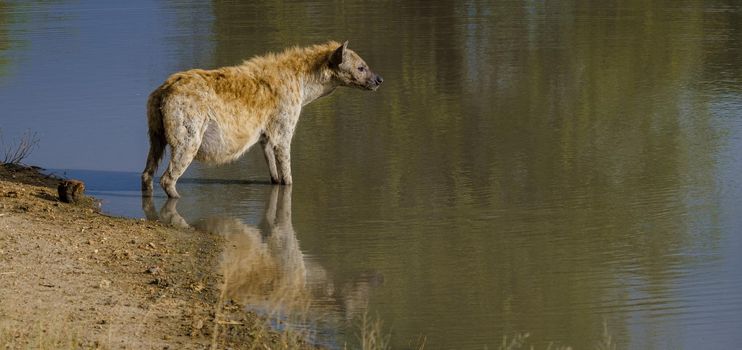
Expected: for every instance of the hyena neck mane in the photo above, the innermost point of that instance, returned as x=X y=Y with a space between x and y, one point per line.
x=307 y=64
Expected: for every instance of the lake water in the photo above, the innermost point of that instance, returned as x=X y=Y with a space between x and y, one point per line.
x=563 y=169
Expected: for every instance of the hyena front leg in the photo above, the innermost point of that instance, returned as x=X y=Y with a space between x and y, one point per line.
x=279 y=135
x=270 y=158
x=283 y=160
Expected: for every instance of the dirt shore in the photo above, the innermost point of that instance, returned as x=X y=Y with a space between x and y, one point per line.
x=72 y=277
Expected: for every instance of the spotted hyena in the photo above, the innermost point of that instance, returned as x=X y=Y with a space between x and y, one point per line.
x=214 y=116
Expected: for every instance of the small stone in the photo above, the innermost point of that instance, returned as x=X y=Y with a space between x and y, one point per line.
x=104 y=284
x=198 y=324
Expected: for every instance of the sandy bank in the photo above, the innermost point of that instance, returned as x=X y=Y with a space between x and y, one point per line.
x=72 y=277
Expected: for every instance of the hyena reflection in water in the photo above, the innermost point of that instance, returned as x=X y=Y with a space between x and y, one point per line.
x=265 y=268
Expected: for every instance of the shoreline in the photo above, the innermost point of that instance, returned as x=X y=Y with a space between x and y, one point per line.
x=77 y=278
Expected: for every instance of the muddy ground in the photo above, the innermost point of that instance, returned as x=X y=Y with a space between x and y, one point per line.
x=71 y=277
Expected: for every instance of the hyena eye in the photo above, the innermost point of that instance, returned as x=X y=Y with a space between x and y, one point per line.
x=361 y=68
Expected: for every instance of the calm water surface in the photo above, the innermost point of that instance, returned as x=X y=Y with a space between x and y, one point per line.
x=561 y=169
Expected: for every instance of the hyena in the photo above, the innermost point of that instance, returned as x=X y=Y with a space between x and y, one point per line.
x=214 y=116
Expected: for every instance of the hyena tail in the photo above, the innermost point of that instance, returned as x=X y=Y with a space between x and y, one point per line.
x=157 y=141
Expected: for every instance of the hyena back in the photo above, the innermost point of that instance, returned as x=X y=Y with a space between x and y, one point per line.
x=214 y=116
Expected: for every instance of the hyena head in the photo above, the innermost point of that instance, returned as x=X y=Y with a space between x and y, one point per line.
x=349 y=69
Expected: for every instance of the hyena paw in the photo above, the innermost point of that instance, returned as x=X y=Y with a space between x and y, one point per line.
x=169 y=187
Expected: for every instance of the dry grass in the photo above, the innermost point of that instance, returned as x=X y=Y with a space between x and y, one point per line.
x=372 y=336
x=521 y=341
x=15 y=154
x=42 y=335
x=606 y=342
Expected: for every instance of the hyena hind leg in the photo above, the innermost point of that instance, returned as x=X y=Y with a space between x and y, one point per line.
x=156 y=149
x=180 y=159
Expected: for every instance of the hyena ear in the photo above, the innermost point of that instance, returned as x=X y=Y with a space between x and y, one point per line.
x=337 y=57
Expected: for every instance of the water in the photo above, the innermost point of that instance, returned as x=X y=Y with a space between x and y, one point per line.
x=559 y=169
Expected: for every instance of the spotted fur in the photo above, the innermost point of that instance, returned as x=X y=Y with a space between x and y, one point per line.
x=214 y=116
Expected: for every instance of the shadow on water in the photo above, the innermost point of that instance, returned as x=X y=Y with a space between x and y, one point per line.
x=265 y=269
x=119 y=191
x=118 y=181
x=223 y=181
